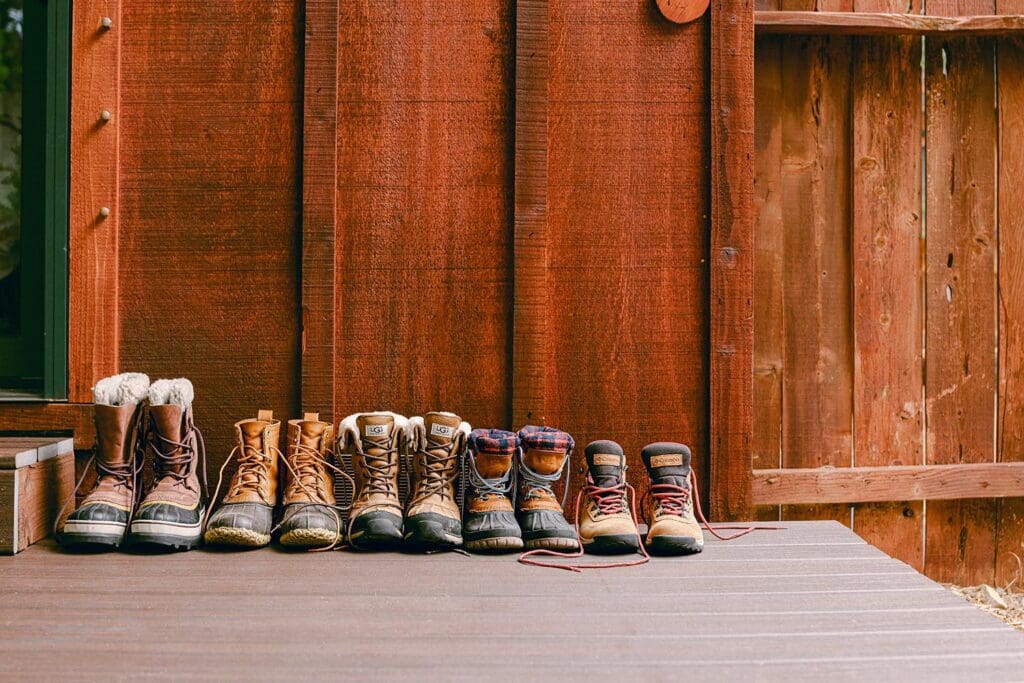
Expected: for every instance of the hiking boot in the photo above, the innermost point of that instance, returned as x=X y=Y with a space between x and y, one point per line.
x=490 y=523
x=245 y=516
x=374 y=442
x=310 y=519
x=171 y=514
x=673 y=530
x=102 y=518
x=437 y=444
x=606 y=524
x=543 y=458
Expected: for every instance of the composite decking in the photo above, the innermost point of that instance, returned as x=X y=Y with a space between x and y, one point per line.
x=811 y=602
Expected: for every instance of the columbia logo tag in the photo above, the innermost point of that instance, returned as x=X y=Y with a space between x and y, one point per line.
x=441 y=430
x=375 y=430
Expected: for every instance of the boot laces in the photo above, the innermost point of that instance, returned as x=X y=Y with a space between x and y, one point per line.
x=251 y=474
x=437 y=471
x=380 y=469
x=181 y=460
x=671 y=499
x=308 y=468
x=609 y=500
x=484 y=488
x=539 y=485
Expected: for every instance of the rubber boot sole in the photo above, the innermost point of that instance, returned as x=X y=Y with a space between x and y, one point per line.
x=428 y=532
x=376 y=533
x=309 y=538
x=166 y=535
x=667 y=546
x=619 y=544
x=495 y=545
x=231 y=536
x=92 y=535
x=552 y=543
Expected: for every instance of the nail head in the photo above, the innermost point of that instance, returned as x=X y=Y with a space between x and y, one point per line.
x=104 y=211
x=106 y=22
x=105 y=115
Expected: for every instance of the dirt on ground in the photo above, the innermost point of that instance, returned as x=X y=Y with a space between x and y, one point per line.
x=1007 y=605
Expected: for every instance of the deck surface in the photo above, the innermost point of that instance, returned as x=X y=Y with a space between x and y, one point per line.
x=811 y=602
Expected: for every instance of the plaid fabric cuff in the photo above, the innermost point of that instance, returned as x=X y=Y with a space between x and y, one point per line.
x=496 y=441
x=546 y=438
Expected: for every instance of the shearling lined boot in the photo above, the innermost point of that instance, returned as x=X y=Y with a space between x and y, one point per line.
x=171 y=514
x=374 y=442
x=102 y=518
x=542 y=461
x=673 y=529
x=490 y=521
x=310 y=518
x=605 y=521
x=245 y=516
x=437 y=443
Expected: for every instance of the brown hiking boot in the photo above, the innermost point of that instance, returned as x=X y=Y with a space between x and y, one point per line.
x=606 y=523
x=374 y=442
x=310 y=518
x=102 y=518
x=437 y=444
x=673 y=529
x=543 y=458
x=245 y=516
x=490 y=523
x=171 y=514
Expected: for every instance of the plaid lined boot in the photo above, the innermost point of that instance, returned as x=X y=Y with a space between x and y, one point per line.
x=673 y=528
x=374 y=442
x=436 y=447
x=310 y=518
x=542 y=461
x=490 y=521
x=606 y=524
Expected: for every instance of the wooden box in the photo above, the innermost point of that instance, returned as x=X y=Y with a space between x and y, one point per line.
x=37 y=475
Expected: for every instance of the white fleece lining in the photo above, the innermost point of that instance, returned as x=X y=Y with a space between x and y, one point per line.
x=416 y=433
x=348 y=430
x=172 y=391
x=128 y=388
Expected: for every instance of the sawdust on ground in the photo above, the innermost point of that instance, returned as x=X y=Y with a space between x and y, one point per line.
x=1008 y=606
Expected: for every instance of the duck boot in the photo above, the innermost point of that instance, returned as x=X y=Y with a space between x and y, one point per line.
x=171 y=514
x=490 y=522
x=245 y=516
x=437 y=443
x=374 y=442
x=310 y=518
x=605 y=522
x=673 y=529
x=543 y=457
x=102 y=518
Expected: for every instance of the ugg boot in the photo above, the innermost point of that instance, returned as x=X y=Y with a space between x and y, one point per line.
x=171 y=514
x=245 y=516
x=490 y=524
x=102 y=518
x=436 y=448
x=605 y=522
x=310 y=518
x=542 y=460
x=673 y=529
x=374 y=442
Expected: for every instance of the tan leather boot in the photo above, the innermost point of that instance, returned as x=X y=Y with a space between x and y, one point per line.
x=544 y=455
x=310 y=518
x=437 y=445
x=171 y=514
x=606 y=522
x=374 y=442
x=245 y=516
x=673 y=529
x=102 y=518
x=490 y=524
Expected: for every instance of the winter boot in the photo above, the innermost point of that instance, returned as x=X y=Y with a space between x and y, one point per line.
x=310 y=518
x=102 y=518
x=171 y=514
x=374 y=442
x=490 y=523
x=437 y=445
x=606 y=524
x=246 y=514
x=542 y=460
x=673 y=530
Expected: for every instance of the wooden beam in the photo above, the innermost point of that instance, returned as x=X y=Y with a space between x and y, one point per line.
x=882 y=23
x=26 y=418
x=732 y=258
x=883 y=484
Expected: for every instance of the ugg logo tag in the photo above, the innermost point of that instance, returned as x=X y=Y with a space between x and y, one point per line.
x=674 y=460
x=607 y=459
x=375 y=430
x=442 y=430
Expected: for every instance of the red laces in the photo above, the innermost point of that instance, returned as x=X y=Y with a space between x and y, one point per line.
x=671 y=498
x=610 y=500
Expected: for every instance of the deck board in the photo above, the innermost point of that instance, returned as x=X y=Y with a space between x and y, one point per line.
x=809 y=602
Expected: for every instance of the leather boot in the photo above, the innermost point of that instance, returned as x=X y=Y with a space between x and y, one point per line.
x=437 y=445
x=490 y=524
x=102 y=518
x=171 y=514
x=673 y=529
x=605 y=521
x=374 y=442
x=310 y=518
x=245 y=516
x=542 y=461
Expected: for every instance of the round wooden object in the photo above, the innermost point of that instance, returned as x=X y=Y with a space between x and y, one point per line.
x=683 y=11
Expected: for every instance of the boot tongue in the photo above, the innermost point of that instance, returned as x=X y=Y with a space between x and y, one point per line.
x=112 y=426
x=375 y=431
x=167 y=420
x=441 y=427
x=252 y=433
x=668 y=463
x=606 y=462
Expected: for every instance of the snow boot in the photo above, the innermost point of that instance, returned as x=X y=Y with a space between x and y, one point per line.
x=542 y=461
x=436 y=448
x=490 y=521
x=311 y=518
x=374 y=442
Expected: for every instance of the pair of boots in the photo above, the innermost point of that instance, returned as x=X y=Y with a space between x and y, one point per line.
x=510 y=498
x=138 y=422
x=300 y=480
x=606 y=523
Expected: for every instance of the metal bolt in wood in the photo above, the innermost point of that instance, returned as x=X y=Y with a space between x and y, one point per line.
x=683 y=11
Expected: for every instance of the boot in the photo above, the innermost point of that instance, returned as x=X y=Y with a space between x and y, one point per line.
x=436 y=447
x=673 y=530
x=542 y=460
x=171 y=514
x=245 y=516
x=490 y=523
x=310 y=519
x=606 y=524
x=374 y=442
x=102 y=518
